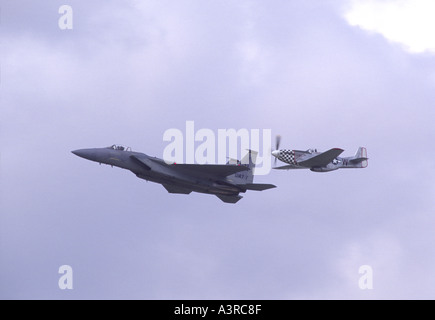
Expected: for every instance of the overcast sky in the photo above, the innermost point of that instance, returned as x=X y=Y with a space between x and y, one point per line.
x=323 y=74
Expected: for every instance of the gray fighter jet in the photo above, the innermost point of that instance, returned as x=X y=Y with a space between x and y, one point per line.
x=225 y=181
x=319 y=161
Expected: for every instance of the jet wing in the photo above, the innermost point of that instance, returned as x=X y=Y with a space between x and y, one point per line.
x=221 y=170
x=322 y=159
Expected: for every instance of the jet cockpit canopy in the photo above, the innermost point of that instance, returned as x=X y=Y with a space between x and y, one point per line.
x=119 y=147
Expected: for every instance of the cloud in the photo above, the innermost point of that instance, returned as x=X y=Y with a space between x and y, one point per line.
x=408 y=22
x=128 y=72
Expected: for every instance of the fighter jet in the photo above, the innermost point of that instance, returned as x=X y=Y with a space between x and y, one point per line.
x=319 y=161
x=225 y=181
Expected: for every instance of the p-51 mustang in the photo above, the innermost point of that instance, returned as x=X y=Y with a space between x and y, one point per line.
x=319 y=161
x=225 y=181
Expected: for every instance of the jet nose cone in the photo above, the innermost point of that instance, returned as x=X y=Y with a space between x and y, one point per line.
x=84 y=153
x=275 y=153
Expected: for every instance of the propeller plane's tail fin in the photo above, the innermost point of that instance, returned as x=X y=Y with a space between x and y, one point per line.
x=360 y=158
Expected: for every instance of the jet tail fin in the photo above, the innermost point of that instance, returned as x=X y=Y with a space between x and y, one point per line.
x=249 y=160
x=247 y=176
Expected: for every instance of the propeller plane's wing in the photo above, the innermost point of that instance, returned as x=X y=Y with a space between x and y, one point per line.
x=322 y=159
x=289 y=166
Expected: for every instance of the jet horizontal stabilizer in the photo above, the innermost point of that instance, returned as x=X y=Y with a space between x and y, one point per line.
x=256 y=186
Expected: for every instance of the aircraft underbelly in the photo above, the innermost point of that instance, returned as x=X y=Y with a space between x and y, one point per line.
x=200 y=186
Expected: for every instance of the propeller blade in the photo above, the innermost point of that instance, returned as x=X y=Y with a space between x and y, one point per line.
x=277 y=142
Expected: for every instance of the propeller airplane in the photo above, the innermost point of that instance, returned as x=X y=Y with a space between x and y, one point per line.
x=318 y=161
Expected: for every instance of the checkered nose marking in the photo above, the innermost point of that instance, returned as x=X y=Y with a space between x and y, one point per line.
x=287 y=156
